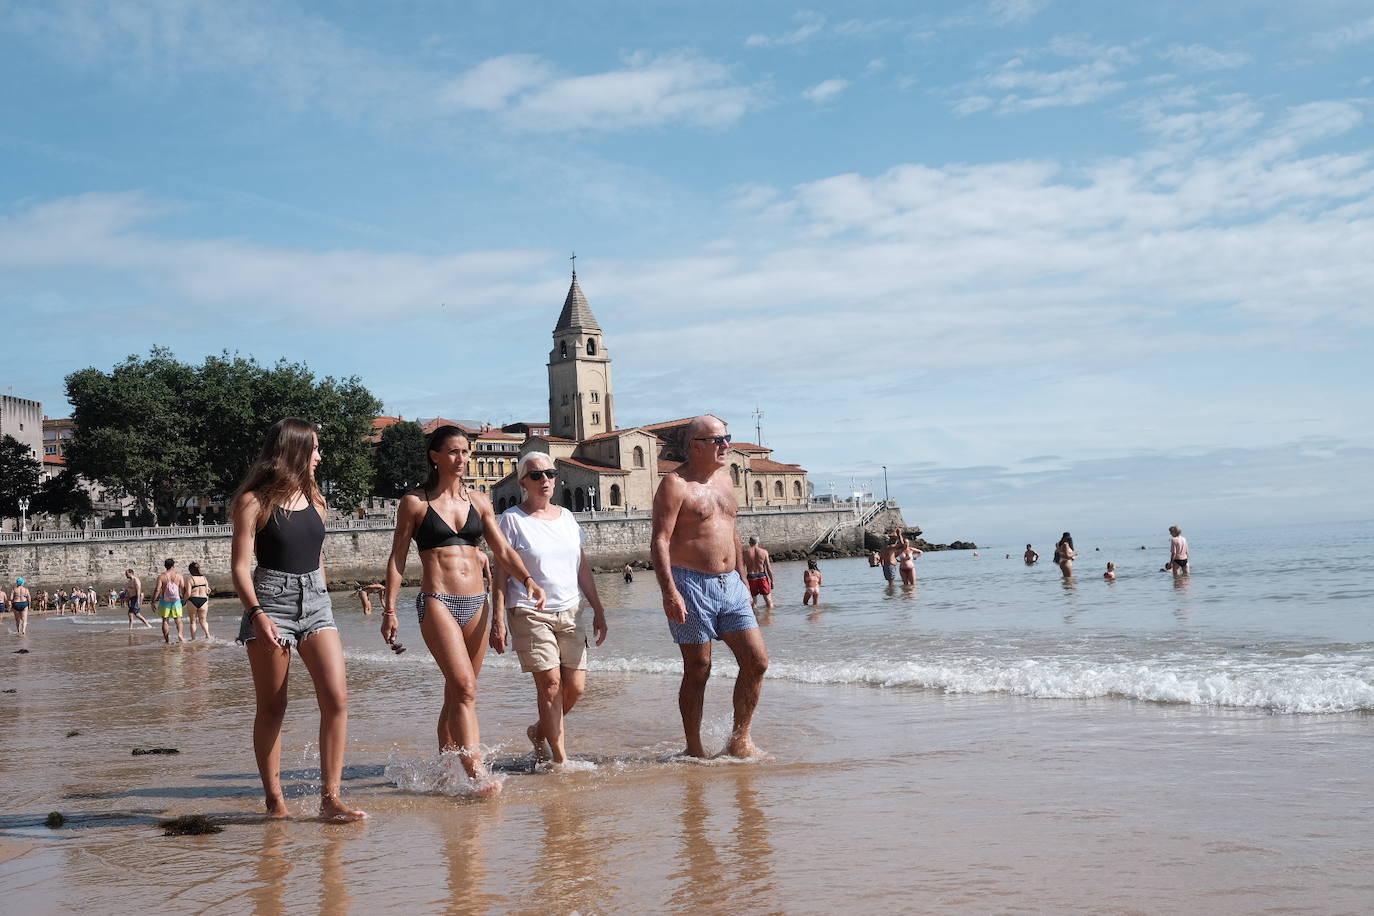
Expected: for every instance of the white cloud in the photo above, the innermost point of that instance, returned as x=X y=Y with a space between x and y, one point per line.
x=825 y=91
x=490 y=85
x=1345 y=36
x=810 y=25
x=1016 y=87
x=1014 y=12
x=1200 y=58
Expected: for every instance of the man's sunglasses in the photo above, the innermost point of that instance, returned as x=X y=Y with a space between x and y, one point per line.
x=549 y=473
x=718 y=440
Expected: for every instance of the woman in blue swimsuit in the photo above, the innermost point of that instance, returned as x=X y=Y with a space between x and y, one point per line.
x=447 y=521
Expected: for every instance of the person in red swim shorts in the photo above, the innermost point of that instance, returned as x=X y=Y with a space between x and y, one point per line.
x=759 y=568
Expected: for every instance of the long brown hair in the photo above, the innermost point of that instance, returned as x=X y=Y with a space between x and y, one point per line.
x=283 y=469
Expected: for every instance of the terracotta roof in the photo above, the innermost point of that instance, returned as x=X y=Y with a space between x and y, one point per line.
x=750 y=447
x=615 y=432
x=598 y=468
x=768 y=466
x=498 y=435
x=666 y=466
x=554 y=439
x=384 y=422
x=431 y=425
x=576 y=312
x=54 y=459
x=655 y=426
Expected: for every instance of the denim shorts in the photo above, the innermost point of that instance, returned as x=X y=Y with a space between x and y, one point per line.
x=716 y=605
x=298 y=604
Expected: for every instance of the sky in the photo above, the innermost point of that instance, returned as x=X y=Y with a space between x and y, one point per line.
x=1053 y=265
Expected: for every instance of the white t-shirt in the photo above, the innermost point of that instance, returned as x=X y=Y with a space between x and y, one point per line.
x=551 y=551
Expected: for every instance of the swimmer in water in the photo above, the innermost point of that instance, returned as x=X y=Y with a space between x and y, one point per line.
x=811 y=583
x=1111 y=571
x=1030 y=556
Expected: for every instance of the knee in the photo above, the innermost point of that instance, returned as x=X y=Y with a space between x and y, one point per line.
x=550 y=689
x=333 y=702
x=696 y=671
x=755 y=665
x=461 y=691
x=273 y=707
x=571 y=694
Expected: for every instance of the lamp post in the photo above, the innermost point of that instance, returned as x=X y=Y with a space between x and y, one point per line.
x=591 y=500
x=886 y=496
x=23 y=517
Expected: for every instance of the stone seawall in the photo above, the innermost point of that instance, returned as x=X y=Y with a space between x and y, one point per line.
x=361 y=555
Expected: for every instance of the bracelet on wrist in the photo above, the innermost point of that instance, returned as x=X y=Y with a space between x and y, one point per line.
x=386 y=612
x=255 y=610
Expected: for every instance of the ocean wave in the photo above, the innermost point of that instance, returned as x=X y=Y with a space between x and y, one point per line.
x=1319 y=684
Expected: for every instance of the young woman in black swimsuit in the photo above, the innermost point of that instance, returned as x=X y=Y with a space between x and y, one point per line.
x=198 y=593
x=447 y=522
x=278 y=515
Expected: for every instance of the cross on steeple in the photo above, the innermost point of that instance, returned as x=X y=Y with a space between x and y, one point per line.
x=574 y=263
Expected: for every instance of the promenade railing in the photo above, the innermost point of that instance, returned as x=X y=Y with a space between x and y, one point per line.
x=161 y=532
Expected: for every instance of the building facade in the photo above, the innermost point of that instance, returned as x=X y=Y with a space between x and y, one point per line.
x=22 y=419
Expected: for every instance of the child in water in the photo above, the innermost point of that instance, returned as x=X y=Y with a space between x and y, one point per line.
x=1111 y=571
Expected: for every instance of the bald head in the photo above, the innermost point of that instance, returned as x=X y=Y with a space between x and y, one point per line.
x=705 y=425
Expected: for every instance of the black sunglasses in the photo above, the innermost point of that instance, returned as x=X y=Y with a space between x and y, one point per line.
x=718 y=440
x=549 y=473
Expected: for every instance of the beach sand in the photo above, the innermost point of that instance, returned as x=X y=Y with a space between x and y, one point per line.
x=881 y=801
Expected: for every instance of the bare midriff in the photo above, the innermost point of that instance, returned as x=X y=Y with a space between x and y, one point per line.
x=455 y=570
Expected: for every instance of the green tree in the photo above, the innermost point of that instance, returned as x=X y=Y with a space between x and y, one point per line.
x=64 y=495
x=399 y=460
x=164 y=432
x=19 y=472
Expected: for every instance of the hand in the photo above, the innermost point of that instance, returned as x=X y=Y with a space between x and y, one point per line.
x=390 y=626
x=498 y=635
x=674 y=607
x=264 y=627
x=537 y=594
x=599 y=627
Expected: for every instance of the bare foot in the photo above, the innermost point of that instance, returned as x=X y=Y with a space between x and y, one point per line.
x=277 y=810
x=541 y=751
x=485 y=786
x=699 y=753
x=742 y=748
x=336 y=812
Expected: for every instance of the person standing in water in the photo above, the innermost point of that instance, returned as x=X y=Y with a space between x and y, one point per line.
x=168 y=597
x=1064 y=555
x=699 y=563
x=758 y=570
x=1030 y=556
x=1178 y=551
x=447 y=521
x=278 y=515
x=811 y=583
x=198 y=593
x=552 y=642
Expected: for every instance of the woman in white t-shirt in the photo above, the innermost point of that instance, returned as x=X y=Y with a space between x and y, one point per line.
x=551 y=643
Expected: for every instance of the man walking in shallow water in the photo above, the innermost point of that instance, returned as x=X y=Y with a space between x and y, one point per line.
x=699 y=564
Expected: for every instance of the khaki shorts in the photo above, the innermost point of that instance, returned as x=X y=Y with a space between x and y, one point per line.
x=546 y=640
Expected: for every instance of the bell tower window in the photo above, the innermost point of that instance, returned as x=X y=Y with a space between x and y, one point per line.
x=591 y=346
x=562 y=349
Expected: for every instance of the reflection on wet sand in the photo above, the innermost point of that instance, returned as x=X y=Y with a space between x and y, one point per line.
x=271 y=869
x=465 y=854
x=738 y=876
x=572 y=871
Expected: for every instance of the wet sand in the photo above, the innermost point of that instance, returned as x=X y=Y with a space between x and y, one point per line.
x=881 y=801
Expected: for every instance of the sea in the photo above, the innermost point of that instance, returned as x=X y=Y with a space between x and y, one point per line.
x=995 y=738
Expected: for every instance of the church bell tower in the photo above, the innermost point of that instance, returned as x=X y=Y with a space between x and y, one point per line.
x=580 y=401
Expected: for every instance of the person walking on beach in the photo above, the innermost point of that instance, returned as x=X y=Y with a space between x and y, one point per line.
x=19 y=606
x=447 y=521
x=198 y=593
x=133 y=598
x=364 y=593
x=699 y=564
x=167 y=594
x=551 y=643
x=1064 y=554
x=758 y=567
x=278 y=515
x=1178 y=551
x=907 y=563
x=1030 y=556
x=811 y=583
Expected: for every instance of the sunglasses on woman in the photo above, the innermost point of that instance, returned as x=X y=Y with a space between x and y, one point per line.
x=548 y=473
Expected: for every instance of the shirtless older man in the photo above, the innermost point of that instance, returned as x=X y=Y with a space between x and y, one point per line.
x=758 y=568
x=700 y=568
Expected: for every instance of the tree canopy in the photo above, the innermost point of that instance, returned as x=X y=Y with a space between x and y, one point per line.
x=163 y=431
x=19 y=472
x=400 y=462
x=64 y=495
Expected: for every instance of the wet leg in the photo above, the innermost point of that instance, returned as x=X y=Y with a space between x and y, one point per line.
x=323 y=655
x=752 y=656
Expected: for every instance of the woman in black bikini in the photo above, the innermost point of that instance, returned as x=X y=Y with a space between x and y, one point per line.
x=198 y=593
x=447 y=522
x=278 y=515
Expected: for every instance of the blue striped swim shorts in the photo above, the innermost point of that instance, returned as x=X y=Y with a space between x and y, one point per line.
x=716 y=605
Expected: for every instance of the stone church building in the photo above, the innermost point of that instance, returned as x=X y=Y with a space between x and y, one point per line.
x=618 y=470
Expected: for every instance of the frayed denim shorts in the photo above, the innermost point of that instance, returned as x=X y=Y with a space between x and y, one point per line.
x=298 y=604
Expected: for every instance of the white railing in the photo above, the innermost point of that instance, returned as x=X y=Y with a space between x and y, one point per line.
x=160 y=532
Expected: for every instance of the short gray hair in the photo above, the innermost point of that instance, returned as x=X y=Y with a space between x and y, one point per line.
x=529 y=458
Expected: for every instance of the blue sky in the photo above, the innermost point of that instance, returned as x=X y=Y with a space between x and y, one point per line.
x=1103 y=267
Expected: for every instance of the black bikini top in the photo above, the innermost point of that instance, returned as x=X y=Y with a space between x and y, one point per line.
x=433 y=532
